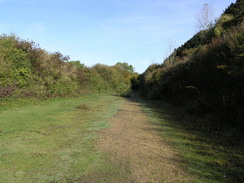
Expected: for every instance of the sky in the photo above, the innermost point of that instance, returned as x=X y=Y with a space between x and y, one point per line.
x=138 y=32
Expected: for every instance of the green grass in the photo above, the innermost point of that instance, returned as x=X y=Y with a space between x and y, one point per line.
x=205 y=155
x=53 y=141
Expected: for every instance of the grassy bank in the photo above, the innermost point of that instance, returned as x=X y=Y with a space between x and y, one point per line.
x=52 y=141
x=208 y=156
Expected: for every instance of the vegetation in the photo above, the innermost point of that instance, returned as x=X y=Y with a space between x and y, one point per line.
x=205 y=78
x=48 y=121
x=205 y=17
x=26 y=70
x=53 y=140
x=203 y=153
x=206 y=73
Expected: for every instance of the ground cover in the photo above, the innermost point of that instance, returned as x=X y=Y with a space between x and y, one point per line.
x=207 y=155
x=52 y=141
x=107 y=139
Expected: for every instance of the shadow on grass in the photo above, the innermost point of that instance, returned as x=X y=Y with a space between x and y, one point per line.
x=211 y=155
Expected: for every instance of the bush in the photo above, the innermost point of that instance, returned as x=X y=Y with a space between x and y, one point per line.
x=29 y=71
x=207 y=76
x=123 y=90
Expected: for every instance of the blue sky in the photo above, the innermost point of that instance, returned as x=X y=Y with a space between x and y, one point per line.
x=138 y=32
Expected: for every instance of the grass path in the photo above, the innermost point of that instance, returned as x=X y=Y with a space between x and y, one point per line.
x=149 y=143
x=105 y=139
x=140 y=152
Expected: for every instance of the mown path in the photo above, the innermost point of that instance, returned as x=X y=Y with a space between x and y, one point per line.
x=139 y=153
x=70 y=141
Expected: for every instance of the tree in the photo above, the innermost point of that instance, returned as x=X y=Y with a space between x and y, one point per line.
x=205 y=17
x=125 y=66
x=172 y=50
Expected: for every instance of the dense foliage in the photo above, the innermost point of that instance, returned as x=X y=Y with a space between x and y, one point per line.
x=26 y=70
x=206 y=74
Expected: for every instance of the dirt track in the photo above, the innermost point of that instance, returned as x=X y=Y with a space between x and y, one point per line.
x=140 y=153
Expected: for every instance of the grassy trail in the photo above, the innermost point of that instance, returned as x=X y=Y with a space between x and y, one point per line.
x=68 y=141
x=135 y=145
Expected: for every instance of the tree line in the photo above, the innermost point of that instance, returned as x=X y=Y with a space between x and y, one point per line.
x=26 y=70
x=206 y=74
